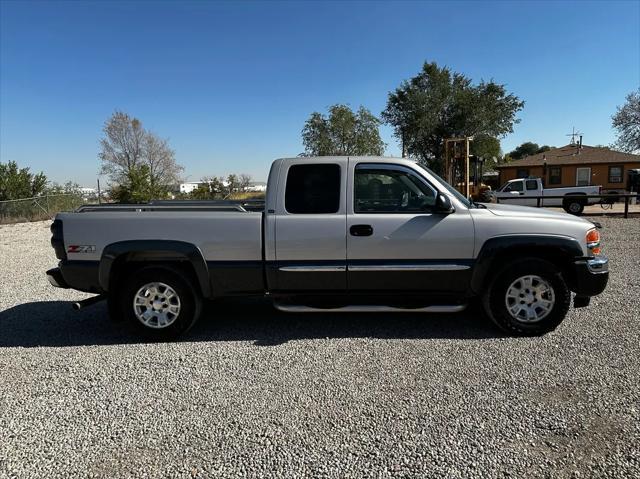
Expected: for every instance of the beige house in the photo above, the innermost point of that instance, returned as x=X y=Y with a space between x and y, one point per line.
x=575 y=165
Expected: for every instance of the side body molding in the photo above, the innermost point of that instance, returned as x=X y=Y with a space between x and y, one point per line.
x=521 y=244
x=155 y=250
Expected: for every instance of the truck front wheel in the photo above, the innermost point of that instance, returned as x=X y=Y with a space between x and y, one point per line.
x=527 y=298
x=161 y=302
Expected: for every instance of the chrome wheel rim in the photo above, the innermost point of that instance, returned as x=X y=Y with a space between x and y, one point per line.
x=574 y=207
x=530 y=299
x=156 y=305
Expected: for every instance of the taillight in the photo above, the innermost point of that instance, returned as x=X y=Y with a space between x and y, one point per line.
x=57 y=239
x=593 y=241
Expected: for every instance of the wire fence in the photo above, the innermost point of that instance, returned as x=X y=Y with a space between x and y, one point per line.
x=38 y=208
x=605 y=200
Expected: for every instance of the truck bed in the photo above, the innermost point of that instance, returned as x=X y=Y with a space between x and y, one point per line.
x=221 y=234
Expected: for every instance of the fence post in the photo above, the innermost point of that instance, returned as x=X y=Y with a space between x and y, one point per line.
x=626 y=206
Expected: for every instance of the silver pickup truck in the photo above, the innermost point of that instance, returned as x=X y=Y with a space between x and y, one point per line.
x=334 y=234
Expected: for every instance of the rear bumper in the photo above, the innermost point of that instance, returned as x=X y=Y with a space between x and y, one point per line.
x=591 y=276
x=56 y=279
x=80 y=275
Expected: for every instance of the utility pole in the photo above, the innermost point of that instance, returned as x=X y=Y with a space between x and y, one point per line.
x=99 y=194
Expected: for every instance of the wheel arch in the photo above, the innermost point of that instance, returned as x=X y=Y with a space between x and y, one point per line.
x=578 y=196
x=560 y=250
x=116 y=255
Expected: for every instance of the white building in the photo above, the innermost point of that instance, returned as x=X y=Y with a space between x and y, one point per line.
x=257 y=186
x=190 y=186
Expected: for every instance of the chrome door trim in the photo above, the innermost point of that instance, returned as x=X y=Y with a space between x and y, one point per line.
x=313 y=268
x=409 y=267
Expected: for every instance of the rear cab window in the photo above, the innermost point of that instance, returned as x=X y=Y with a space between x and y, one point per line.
x=532 y=185
x=313 y=189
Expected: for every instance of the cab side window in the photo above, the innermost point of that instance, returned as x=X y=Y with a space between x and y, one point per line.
x=385 y=190
x=516 y=186
x=313 y=188
x=532 y=185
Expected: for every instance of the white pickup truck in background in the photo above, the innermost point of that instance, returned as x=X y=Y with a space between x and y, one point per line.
x=524 y=191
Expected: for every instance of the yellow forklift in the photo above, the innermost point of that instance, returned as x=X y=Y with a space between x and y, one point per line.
x=463 y=171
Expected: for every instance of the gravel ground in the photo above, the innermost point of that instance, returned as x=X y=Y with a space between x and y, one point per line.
x=251 y=392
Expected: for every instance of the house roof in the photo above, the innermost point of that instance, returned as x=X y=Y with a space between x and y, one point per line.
x=571 y=155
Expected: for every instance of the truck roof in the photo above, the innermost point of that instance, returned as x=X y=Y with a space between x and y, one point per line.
x=368 y=159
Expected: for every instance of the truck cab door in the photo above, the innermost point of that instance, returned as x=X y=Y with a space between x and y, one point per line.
x=309 y=227
x=396 y=241
x=514 y=193
x=532 y=188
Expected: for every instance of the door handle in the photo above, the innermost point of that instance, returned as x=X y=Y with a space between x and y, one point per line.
x=361 y=230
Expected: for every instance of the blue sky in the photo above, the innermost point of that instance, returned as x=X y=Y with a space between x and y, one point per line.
x=231 y=84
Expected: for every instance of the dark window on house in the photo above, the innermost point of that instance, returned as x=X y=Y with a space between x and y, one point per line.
x=532 y=185
x=522 y=172
x=313 y=189
x=555 y=176
x=615 y=174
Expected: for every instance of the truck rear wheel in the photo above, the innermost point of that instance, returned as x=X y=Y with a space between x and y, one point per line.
x=574 y=206
x=161 y=302
x=527 y=298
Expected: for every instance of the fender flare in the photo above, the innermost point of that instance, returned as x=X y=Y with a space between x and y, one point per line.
x=563 y=245
x=157 y=250
x=575 y=196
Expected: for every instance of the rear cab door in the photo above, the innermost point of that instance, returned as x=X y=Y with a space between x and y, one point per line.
x=305 y=226
x=396 y=242
x=532 y=188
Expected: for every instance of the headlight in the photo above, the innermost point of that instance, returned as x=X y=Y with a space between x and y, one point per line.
x=593 y=242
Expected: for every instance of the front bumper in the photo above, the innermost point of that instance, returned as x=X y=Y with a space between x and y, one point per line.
x=590 y=276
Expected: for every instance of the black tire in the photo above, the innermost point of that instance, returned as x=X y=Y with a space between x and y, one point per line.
x=495 y=299
x=574 y=206
x=113 y=307
x=189 y=302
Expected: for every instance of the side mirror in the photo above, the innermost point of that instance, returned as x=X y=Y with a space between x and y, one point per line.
x=443 y=204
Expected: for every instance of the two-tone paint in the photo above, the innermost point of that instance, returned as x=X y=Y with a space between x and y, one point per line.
x=431 y=253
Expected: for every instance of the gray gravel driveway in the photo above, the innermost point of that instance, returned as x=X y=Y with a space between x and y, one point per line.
x=255 y=393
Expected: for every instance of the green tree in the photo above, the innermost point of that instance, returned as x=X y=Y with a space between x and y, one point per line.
x=69 y=188
x=138 y=187
x=485 y=146
x=211 y=188
x=437 y=104
x=527 y=149
x=216 y=188
x=17 y=183
x=342 y=132
x=626 y=121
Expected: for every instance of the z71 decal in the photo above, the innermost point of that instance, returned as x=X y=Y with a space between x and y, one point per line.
x=81 y=248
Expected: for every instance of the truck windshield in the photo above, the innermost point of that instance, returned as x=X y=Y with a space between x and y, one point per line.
x=451 y=189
